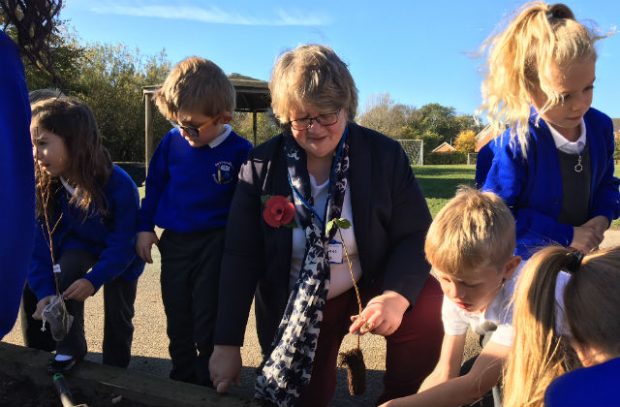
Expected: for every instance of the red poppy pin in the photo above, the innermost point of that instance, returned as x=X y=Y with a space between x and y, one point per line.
x=278 y=211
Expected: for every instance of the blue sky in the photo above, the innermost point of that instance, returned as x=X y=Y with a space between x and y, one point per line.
x=418 y=51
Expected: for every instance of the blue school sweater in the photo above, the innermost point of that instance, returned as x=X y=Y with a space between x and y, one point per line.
x=16 y=168
x=532 y=187
x=592 y=386
x=111 y=237
x=189 y=189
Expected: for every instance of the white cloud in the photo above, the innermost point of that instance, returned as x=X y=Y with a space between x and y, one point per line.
x=213 y=15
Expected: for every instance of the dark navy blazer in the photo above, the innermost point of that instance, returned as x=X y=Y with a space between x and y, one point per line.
x=390 y=215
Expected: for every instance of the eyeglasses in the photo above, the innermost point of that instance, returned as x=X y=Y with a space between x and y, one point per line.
x=192 y=131
x=325 y=119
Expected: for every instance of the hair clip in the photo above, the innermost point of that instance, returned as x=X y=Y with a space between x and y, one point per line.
x=574 y=261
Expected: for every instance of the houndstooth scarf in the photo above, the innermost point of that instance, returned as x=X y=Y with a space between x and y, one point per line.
x=289 y=366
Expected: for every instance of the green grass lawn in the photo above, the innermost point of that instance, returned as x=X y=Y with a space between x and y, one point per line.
x=439 y=182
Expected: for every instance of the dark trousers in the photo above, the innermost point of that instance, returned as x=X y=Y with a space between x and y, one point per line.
x=411 y=353
x=31 y=328
x=118 y=297
x=190 y=273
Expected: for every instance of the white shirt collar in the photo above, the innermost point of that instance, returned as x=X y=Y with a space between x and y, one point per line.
x=220 y=139
x=68 y=187
x=570 y=147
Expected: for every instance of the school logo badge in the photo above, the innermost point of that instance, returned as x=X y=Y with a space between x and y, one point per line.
x=223 y=172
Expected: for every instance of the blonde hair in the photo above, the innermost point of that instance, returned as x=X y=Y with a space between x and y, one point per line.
x=592 y=312
x=195 y=85
x=519 y=61
x=314 y=75
x=474 y=229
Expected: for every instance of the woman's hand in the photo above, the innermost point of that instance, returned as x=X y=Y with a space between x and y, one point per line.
x=38 y=313
x=382 y=315
x=79 y=290
x=144 y=244
x=225 y=367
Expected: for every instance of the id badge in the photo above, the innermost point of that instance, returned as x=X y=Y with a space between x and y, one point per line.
x=335 y=252
x=56 y=268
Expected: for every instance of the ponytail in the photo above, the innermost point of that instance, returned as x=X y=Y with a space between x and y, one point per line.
x=591 y=319
x=518 y=62
x=540 y=353
x=592 y=302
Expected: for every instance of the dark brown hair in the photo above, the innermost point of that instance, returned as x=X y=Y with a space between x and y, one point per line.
x=90 y=164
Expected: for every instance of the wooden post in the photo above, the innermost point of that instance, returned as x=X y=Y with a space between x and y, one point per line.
x=148 y=129
x=254 y=127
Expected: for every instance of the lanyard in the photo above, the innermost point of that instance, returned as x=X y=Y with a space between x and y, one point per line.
x=332 y=175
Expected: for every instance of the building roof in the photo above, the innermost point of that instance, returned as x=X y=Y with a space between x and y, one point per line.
x=482 y=141
x=444 y=147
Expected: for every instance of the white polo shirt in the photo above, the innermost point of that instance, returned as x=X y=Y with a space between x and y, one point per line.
x=497 y=317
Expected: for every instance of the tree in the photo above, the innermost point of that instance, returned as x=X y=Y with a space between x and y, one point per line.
x=266 y=126
x=385 y=116
x=431 y=141
x=109 y=78
x=65 y=60
x=437 y=119
x=111 y=82
x=465 y=141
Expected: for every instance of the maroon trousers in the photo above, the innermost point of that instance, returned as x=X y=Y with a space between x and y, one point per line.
x=411 y=352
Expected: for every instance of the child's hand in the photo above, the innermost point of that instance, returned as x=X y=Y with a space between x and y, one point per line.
x=587 y=237
x=225 y=366
x=144 y=244
x=598 y=223
x=382 y=315
x=80 y=290
x=38 y=313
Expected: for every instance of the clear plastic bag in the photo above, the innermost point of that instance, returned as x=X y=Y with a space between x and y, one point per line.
x=56 y=315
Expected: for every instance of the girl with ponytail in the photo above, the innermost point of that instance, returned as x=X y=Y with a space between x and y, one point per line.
x=553 y=163
x=566 y=315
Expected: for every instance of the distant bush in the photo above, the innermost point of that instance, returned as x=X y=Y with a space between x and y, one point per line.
x=455 y=157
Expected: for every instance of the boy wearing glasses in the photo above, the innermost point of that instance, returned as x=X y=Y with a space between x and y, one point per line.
x=189 y=187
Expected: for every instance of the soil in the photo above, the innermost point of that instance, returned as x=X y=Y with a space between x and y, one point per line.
x=24 y=393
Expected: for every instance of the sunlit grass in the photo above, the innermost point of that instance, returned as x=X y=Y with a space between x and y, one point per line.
x=439 y=182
